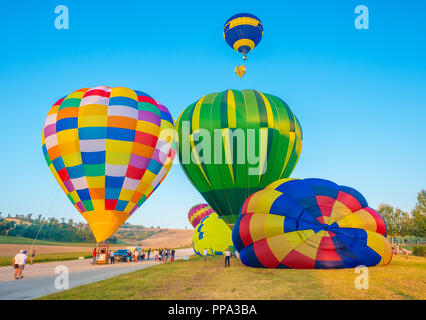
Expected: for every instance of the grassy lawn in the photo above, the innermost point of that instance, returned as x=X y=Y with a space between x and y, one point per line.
x=7 y=261
x=196 y=279
x=23 y=240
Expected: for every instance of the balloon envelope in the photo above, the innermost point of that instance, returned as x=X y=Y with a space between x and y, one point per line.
x=234 y=143
x=240 y=70
x=211 y=234
x=243 y=32
x=198 y=212
x=310 y=223
x=107 y=149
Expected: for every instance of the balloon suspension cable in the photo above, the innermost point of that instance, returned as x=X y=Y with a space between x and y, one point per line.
x=42 y=223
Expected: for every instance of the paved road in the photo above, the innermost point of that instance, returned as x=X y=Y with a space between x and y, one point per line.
x=39 y=279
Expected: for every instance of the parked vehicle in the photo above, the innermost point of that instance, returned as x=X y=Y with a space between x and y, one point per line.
x=121 y=255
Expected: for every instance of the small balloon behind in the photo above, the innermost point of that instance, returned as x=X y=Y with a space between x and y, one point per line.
x=198 y=212
x=240 y=70
x=212 y=234
x=109 y=149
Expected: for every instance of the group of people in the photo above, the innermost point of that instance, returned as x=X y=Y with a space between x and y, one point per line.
x=164 y=255
x=136 y=255
x=397 y=250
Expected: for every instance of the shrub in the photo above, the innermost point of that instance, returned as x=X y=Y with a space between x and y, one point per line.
x=419 y=251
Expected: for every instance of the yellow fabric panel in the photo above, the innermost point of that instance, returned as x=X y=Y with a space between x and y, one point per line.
x=96 y=182
x=274 y=225
x=117 y=158
x=148 y=127
x=243 y=21
x=232 y=119
x=257 y=227
x=92 y=109
x=279 y=246
x=381 y=245
x=93 y=120
x=339 y=211
x=123 y=92
x=126 y=194
x=70 y=147
x=98 y=205
x=72 y=159
x=264 y=203
x=118 y=146
x=243 y=42
x=297 y=237
x=196 y=115
x=74 y=196
x=254 y=199
x=67 y=135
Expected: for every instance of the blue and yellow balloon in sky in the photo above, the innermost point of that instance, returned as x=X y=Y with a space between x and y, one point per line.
x=243 y=32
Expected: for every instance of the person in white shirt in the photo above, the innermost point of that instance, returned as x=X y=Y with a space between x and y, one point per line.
x=205 y=254
x=227 y=257
x=18 y=264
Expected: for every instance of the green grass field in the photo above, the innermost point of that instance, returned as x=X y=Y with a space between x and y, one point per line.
x=7 y=261
x=196 y=279
x=23 y=240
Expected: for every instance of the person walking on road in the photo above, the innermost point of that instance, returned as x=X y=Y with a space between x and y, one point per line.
x=18 y=264
x=227 y=257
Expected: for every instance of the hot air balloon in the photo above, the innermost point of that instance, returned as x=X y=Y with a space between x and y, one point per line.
x=240 y=70
x=243 y=32
x=108 y=148
x=198 y=212
x=310 y=224
x=211 y=234
x=234 y=143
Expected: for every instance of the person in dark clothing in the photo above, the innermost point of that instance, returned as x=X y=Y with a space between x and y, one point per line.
x=111 y=258
x=173 y=255
x=227 y=257
x=149 y=251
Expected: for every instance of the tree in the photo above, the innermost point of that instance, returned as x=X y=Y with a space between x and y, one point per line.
x=419 y=216
x=398 y=222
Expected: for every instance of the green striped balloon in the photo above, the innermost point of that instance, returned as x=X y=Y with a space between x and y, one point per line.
x=234 y=143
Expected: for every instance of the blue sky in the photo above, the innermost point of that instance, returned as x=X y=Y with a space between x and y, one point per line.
x=359 y=94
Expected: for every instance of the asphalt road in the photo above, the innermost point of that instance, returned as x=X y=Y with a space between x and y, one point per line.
x=41 y=279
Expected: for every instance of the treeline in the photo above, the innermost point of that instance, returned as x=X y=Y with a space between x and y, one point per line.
x=403 y=224
x=50 y=229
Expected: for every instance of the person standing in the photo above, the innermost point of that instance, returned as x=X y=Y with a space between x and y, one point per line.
x=94 y=255
x=205 y=254
x=32 y=256
x=18 y=264
x=111 y=257
x=155 y=254
x=173 y=255
x=227 y=257
x=149 y=252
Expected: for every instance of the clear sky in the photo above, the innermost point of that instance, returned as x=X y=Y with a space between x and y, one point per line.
x=360 y=95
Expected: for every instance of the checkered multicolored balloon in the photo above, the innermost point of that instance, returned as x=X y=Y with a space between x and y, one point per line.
x=310 y=223
x=109 y=149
